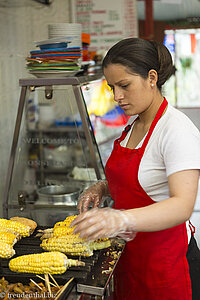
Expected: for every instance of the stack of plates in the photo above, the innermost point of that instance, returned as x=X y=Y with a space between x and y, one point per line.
x=68 y=30
x=54 y=58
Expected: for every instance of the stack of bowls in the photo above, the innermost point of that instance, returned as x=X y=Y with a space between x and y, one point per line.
x=68 y=30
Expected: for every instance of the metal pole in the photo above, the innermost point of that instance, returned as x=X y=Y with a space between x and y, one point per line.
x=86 y=129
x=13 y=150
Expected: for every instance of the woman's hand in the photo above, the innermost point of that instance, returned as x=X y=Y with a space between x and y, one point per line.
x=93 y=194
x=104 y=222
x=107 y=222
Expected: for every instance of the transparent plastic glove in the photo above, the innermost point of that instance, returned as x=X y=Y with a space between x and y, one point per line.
x=105 y=222
x=93 y=194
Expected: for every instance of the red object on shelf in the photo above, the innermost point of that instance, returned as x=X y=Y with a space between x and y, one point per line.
x=85 y=44
x=85 y=38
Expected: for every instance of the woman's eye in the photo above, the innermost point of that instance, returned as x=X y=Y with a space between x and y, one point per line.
x=125 y=86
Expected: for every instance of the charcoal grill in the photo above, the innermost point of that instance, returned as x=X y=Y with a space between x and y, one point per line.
x=88 y=279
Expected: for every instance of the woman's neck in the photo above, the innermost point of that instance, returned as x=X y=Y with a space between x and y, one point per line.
x=146 y=118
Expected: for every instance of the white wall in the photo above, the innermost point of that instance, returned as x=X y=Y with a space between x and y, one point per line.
x=21 y=23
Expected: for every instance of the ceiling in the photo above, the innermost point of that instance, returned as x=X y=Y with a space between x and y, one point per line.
x=170 y=9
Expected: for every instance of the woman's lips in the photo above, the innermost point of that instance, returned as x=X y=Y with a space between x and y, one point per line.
x=124 y=106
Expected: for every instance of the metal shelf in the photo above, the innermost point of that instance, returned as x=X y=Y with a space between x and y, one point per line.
x=49 y=91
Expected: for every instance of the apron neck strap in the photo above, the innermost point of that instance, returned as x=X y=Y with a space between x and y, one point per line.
x=153 y=124
x=126 y=130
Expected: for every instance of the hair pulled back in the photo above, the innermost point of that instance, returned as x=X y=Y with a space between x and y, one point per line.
x=140 y=56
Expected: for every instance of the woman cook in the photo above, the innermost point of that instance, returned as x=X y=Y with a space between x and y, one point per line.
x=152 y=176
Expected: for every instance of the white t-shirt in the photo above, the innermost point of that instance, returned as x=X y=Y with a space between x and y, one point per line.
x=174 y=146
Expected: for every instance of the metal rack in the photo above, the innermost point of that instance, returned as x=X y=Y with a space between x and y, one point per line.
x=16 y=199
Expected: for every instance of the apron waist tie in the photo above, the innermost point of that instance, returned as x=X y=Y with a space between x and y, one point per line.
x=192 y=227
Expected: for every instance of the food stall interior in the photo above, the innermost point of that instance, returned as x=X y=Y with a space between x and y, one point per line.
x=54 y=157
x=54 y=154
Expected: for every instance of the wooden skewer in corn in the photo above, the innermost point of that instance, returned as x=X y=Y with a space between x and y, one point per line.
x=61 y=291
x=54 y=281
x=36 y=284
x=49 y=281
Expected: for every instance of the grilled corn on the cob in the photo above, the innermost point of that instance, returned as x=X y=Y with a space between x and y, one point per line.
x=66 y=222
x=6 y=250
x=44 y=233
x=71 y=245
x=70 y=219
x=43 y=263
x=100 y=244
x=56 y=232
x=8 y=237
x=69 y=238
x=28 y=222
x=62 y=230
x=20 y=228
x=17 y=235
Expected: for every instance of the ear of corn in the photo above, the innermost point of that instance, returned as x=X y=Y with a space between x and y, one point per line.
x=20 y=228
x=8 y=237
x=6 y=250
x=62 y=230
x=44 y=233
x=43 y=263
x=59 y=229
x=28 y=222
x=71 y=245
x=65 y=241
x=100 y=244
x=70 y=219
x=69 y=238
x=66 y=222
x=9 y=230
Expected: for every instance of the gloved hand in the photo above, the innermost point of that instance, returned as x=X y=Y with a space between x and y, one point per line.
x=93 y=194
x=105 y=222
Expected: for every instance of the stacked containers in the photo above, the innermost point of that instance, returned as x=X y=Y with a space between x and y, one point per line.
x=68 y=30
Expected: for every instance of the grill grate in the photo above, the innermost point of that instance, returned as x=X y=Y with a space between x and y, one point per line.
x=88 y=278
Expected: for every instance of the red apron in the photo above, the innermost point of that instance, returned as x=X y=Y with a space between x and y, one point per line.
x=153 y=266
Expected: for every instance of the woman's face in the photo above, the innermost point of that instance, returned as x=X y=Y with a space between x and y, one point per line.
x=133 y=93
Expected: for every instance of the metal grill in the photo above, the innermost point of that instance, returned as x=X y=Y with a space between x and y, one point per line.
x=88 y=279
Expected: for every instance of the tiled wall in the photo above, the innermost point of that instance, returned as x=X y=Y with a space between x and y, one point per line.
x=21 y=23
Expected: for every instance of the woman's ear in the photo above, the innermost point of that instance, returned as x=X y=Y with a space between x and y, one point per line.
x=153 y=77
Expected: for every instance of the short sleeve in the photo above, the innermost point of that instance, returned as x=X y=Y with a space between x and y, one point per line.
x=181 y=146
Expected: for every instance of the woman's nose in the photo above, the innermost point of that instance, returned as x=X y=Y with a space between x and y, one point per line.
x=118 y=95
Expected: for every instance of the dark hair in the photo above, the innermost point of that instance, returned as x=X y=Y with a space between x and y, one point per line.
x=140 y=56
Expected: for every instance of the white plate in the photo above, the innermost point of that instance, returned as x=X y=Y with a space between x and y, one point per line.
x=67 y=39
x=53 y=74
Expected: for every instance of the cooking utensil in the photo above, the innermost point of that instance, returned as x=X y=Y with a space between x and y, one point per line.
x=59 y=194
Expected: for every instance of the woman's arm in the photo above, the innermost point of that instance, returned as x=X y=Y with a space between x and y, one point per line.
x=107 y=222
x=175 y=210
